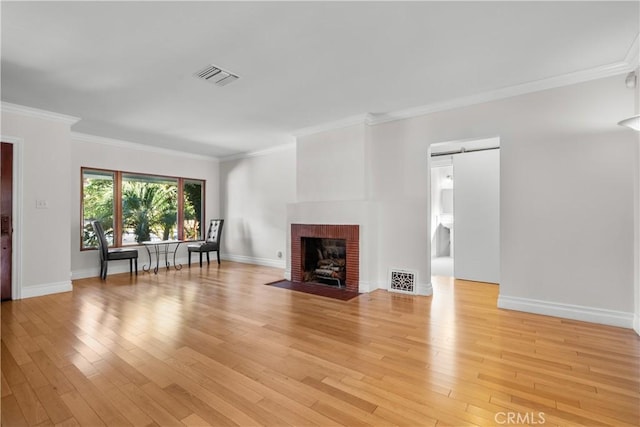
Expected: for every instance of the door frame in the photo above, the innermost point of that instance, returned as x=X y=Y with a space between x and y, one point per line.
x=16 y=211
x=470 y=144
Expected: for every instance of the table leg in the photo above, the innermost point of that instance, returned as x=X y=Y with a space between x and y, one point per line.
x=166 y=257
x=176 y=266
x=155 y=270
x=144 y=267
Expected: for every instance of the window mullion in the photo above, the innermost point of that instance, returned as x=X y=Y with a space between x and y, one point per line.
x=180 y=218
x=117 y=207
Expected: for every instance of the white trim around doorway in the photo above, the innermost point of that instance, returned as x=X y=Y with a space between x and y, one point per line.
x=16 y=259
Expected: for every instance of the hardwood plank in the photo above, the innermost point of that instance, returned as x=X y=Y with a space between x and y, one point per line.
x=340 y=416
x=10 y=368
x=398 y=417
x=11 y=412
x=388 y=402
x=193 y=420
x=233 y=406
x=117 y=398
x=293 y=416
x=33 y=374
x=94 y=397
x=342 y=395
x=15 y=346
x=81 y=411
x=45 y=345
x=53 y=404
x=149 y=406
x=164 y=399
x=215 y=346
x=199 y=408
x=4 y=388
x=83 y=365
x=293 y=390
x=70 y=422
x=53 y=374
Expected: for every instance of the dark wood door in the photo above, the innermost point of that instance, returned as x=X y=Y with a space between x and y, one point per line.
x=6 y=221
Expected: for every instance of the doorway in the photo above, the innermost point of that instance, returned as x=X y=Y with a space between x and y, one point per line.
x=465 y=210
x=6 y=220
x=442 y=217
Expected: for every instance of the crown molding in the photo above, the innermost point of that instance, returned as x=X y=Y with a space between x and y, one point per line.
x=508 y=92
x=359 y=119
x=8 y=107
x=629 y=63
x=258 y=153
x=93 y=139
x=633 y=55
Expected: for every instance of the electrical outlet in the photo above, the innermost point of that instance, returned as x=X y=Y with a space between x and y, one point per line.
x=42 y=204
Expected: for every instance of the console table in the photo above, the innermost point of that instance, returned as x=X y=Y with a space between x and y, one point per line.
x=162 y=247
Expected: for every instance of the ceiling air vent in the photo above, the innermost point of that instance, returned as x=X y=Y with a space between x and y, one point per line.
x=215 y=75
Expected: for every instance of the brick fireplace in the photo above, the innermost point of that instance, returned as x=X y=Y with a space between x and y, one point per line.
x=349 y=233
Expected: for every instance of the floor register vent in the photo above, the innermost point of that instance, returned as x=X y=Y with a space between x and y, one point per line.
x=404 y=281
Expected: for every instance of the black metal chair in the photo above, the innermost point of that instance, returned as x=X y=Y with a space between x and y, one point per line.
x=112 y=254
x=212 y=243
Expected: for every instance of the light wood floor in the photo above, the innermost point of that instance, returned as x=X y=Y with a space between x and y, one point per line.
x=214 y=346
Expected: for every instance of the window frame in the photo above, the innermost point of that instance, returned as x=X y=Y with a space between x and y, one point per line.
x=117 y=204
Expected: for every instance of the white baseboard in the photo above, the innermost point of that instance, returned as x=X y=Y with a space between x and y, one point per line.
x=365 y=287
x=422 y=289
x=568 y=311
x=89 y=272
x=123 y=267
x=425 y=289
x=267 y=262
x=636 y=323
x=45 y=289
x=287 y=275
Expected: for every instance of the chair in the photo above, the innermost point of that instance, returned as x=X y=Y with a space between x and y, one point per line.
x=112 y=254
x=211 y=244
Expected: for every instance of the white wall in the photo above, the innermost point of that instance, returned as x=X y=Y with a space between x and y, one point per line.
x=566 y=195
x=400 y=188
x=332 y=165
x=636 y=215
x=45 y=171
x=333 y=177
x=255 y=191
x=94 y=152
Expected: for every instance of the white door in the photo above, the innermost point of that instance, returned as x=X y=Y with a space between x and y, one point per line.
x=476 y=200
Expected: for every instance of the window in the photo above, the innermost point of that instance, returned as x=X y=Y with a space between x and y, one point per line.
x=149 y=208
x=134 y=207
x=97 y=203
x=193 y=194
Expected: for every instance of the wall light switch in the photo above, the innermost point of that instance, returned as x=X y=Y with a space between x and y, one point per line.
x=42 y=204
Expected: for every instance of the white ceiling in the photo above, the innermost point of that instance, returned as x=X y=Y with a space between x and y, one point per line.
x=126 y=68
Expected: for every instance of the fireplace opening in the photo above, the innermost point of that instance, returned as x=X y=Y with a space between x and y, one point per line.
x=324 y=261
